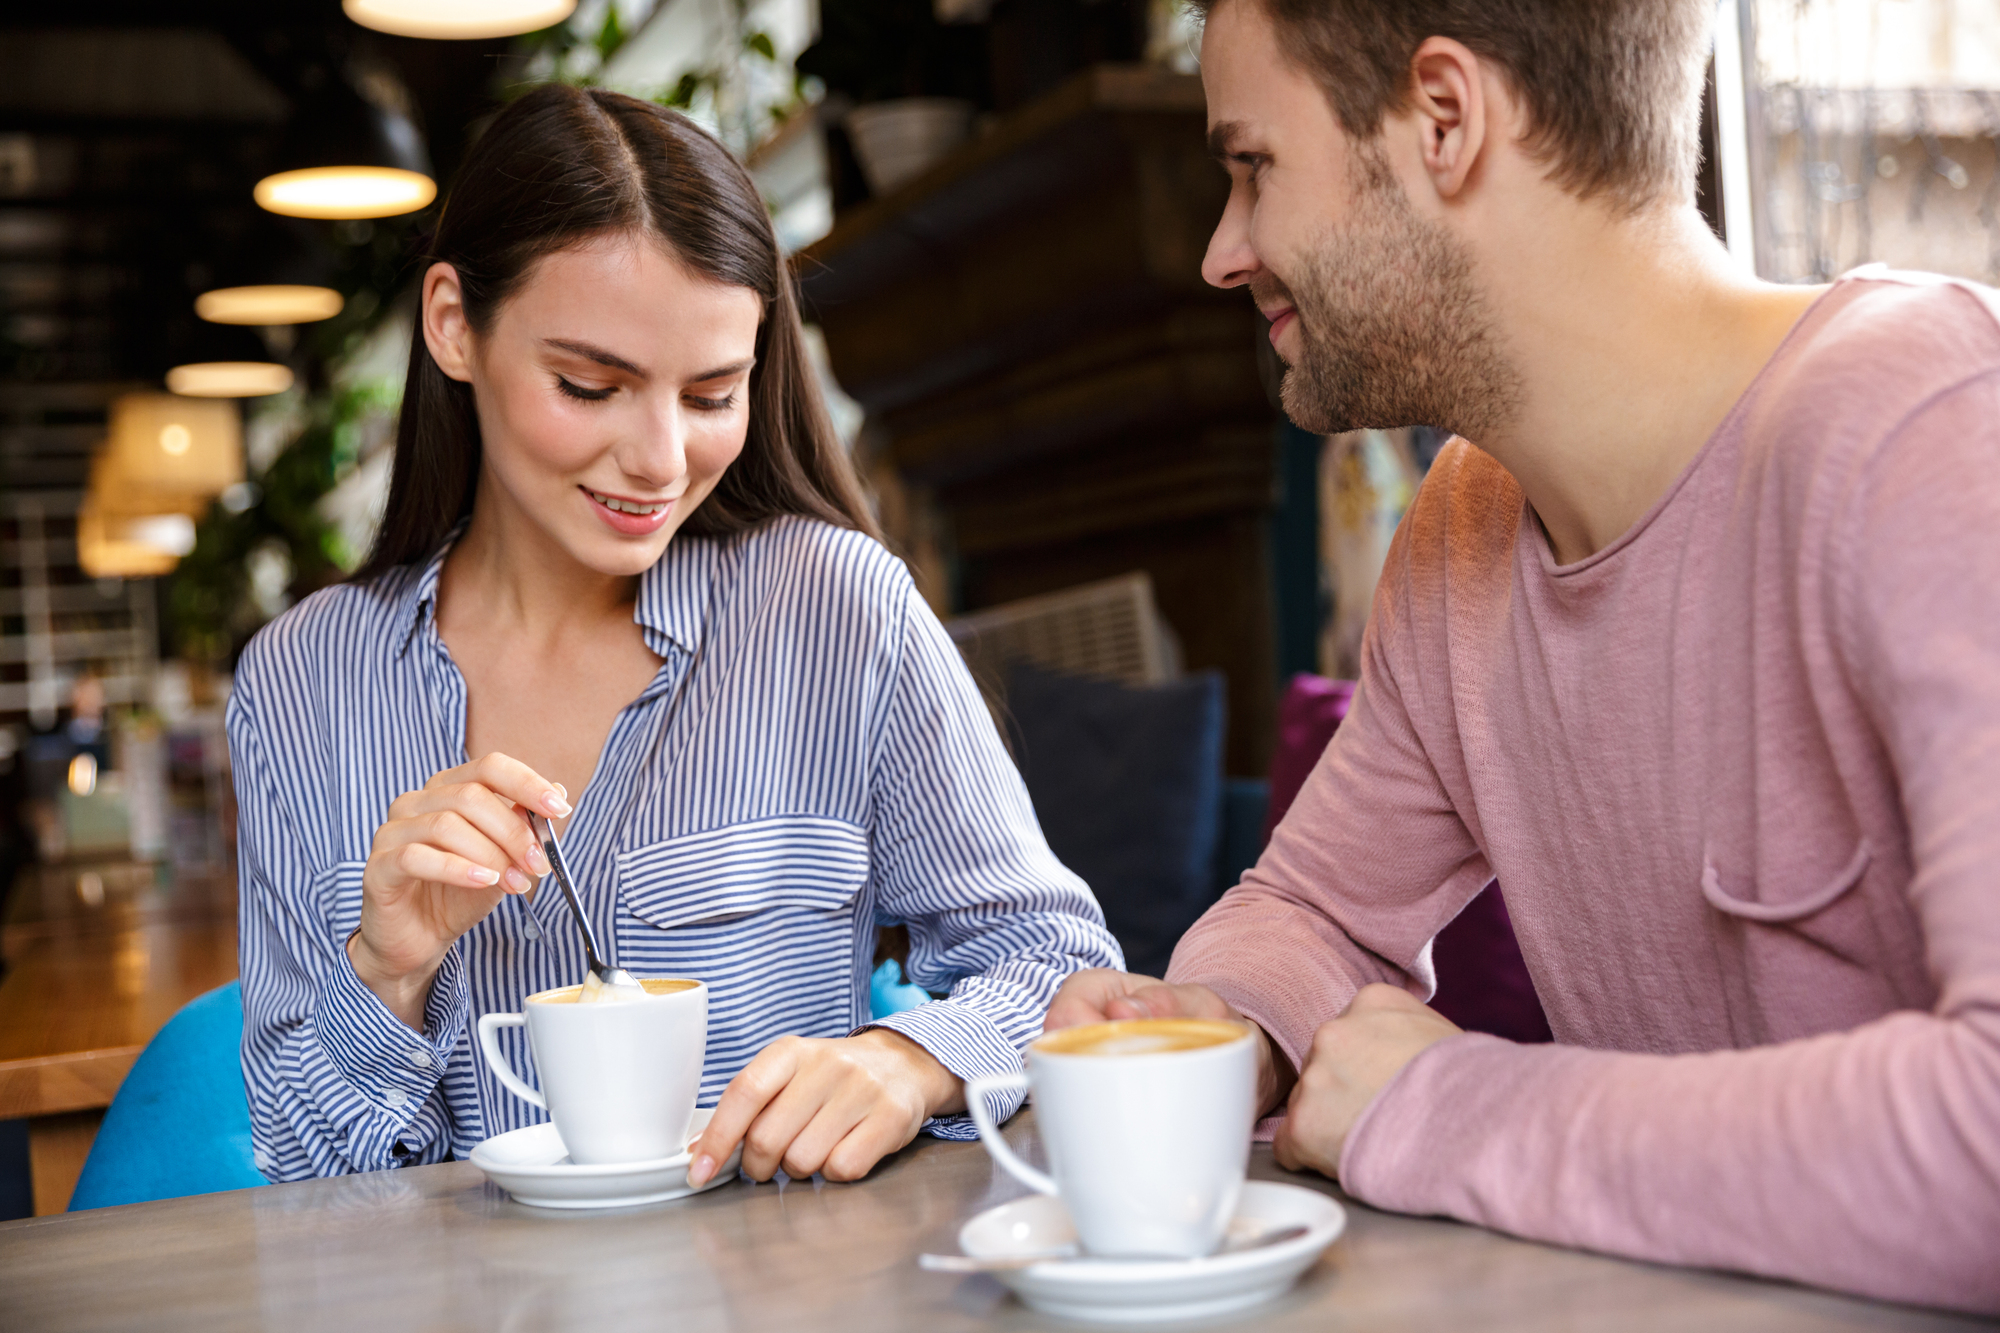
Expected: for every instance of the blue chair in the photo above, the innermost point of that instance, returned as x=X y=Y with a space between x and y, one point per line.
x=180 y=1123
x=889 y=994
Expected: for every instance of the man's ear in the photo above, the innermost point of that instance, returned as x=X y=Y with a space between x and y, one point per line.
x=1449 y=105
x=447 y=332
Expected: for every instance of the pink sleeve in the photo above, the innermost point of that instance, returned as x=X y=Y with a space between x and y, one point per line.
x=1370 y=862
x=1866 y=1160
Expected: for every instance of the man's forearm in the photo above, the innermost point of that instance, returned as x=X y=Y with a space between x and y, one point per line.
x=1275 y=1075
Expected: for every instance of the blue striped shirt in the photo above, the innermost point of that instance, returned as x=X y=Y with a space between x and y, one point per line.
x=812 y=760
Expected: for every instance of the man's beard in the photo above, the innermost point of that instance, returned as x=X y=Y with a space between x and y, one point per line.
x=1392 y=326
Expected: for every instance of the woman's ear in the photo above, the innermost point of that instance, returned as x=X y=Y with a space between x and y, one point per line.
x=1448 y=99
x=447 y=332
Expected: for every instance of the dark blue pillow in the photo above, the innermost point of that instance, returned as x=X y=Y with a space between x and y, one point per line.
x=1127 y=783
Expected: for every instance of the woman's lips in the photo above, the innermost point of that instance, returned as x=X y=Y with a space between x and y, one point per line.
x=629 y=525
x=1284 y=321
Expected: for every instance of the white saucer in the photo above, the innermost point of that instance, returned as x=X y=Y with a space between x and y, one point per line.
x=1131 y=1291
x=532 y=1165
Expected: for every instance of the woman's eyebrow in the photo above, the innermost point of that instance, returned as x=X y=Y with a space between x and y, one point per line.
x=721 y=372
x=598 y=354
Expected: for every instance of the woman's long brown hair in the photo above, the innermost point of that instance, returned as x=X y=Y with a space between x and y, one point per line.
x=558 y=167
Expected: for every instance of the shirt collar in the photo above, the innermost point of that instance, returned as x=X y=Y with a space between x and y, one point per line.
x=420 y=601
x=674 y=594
x=672 y=605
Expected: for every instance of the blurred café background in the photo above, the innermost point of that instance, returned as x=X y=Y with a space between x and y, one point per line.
x=998 y=210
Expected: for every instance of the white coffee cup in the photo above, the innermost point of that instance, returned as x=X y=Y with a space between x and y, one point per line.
x=1147 y=1127
x=618 y=1078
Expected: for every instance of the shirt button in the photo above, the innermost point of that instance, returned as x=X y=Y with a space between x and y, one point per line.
x=395 y=1099
x=420 y=1059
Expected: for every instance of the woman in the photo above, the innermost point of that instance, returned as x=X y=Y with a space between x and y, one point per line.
x=623 y=557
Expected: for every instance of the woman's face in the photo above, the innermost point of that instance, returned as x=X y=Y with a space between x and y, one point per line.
x=612 y=394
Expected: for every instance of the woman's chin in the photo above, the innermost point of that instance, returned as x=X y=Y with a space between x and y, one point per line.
x=617 y=555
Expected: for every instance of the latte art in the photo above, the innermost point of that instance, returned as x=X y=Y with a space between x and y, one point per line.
x=1141 y=1036
x=574 y=994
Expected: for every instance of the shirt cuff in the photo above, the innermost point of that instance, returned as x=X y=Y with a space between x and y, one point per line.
x=392 y=1073
x=970 y=1045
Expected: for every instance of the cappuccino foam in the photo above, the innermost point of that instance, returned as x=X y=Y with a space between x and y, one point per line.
x=653 y=986
x=1141 y=1036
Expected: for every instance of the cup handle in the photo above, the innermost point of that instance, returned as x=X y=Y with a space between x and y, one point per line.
x=489 y=1024
x=989 y=1133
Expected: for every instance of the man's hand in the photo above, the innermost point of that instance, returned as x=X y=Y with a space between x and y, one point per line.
x=1099 y=995
x=833 y=1106
x=1353 y=1057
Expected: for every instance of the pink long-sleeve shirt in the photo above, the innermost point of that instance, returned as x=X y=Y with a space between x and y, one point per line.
x=1740 y=774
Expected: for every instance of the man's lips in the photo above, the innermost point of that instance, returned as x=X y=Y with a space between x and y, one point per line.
x=1280 y=321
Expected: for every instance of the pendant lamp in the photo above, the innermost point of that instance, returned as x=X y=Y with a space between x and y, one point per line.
x=458 y=19
x=229 y=379
x=352 y=151
x=269 y=303
x=123 y=531
x=169 y=454
x=220 y=361
x=276 y=271
x=105 y=549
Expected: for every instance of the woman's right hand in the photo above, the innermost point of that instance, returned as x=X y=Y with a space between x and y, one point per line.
x=441 y=861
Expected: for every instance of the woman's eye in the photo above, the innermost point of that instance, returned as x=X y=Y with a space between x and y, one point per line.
x=578 y=391
x=713 y=404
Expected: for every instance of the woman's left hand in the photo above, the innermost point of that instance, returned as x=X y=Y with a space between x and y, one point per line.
x=829 y=1106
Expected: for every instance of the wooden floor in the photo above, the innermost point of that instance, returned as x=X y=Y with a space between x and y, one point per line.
x=99 y=957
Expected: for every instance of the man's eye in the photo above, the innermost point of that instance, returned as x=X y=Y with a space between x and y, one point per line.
x=578 y=391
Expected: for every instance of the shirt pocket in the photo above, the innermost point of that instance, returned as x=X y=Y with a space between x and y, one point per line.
x=1786 y=904
x=766 y=913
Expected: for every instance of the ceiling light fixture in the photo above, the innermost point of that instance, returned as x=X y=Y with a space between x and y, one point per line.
x=458 y=19
x=167 y=454
x=229 y=379
x=276 y=303
x=352 y=151
x=345 y=192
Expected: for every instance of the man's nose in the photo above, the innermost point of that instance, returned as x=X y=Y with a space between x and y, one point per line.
x=1230 y=261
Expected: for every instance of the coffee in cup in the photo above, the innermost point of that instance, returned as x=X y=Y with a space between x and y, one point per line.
x=574 y=994
x=1147 y=1127
x=619 y=1079
x=1139 y=1036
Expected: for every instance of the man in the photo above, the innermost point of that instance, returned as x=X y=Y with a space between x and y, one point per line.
x=1693 y=645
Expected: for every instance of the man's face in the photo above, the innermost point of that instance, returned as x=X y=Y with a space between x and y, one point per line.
x=1374 y=308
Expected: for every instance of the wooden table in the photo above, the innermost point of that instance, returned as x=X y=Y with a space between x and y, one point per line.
x=99 y=957
x=437 y=1248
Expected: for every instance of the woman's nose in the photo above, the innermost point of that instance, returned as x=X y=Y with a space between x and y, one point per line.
x=1230 y=261
x=659 y=459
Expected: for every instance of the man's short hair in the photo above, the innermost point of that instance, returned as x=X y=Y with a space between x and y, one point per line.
x=1612 y=88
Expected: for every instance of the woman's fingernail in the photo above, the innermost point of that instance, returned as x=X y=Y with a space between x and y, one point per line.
x=516 y=881
x=555 y=805
x=564 y=790
x=537 y=857
x=481 y=875
x=703 y=1168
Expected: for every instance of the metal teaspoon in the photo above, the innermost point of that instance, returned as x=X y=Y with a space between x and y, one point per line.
x=605 y=976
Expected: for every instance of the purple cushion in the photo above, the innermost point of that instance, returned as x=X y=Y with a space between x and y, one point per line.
x=1307 y=718
x=1483 y=982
